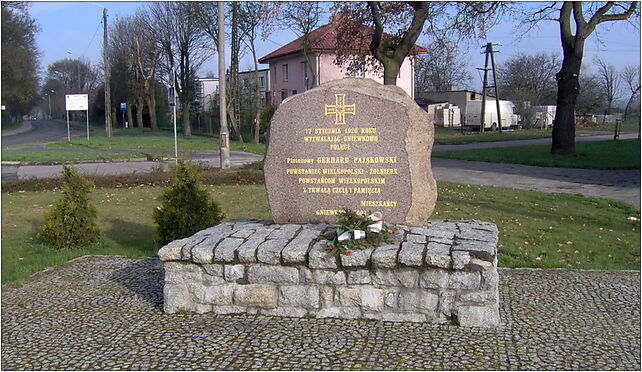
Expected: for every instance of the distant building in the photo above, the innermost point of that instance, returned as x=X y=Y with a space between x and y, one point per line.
x=207 y=92
x=544 y=115
x=265 y=93
x=290 y=74
x=469 y=104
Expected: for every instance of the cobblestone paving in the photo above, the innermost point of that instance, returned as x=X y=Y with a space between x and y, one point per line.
x=106 y=313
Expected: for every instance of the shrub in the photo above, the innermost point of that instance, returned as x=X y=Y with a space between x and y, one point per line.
x=71 y=222
x=186 y=206
x=266 y=115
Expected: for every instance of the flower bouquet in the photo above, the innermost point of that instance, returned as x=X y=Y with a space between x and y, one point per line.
x=358 y=232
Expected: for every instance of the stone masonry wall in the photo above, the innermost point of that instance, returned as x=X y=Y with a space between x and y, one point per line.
x=443 y=271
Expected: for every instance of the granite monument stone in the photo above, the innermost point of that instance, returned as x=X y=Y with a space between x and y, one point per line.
x=350 y=144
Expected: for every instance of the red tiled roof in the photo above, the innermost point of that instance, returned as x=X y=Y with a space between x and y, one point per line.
x=324 y=39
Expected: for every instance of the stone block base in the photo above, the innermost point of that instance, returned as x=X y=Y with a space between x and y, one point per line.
x=443 y=271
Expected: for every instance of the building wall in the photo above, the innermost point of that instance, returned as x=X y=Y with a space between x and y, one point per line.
x=294 y=83
x=265 y=94
x=207 y=92
x=331 y=71
x=326 y=70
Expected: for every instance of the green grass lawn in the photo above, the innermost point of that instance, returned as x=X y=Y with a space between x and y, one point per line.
x=8 y=125
x=130 y=139
x=620 y=154
x=445 y=136
x=536 y=229
x=67 y=156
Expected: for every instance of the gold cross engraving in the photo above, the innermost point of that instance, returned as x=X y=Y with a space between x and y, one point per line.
x=340 y=109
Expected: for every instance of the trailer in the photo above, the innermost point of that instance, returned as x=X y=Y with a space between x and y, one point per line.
x=473 y=115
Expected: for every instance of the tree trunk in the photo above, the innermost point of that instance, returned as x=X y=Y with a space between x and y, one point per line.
x=113 y=115
x=151 y=106
x=130 y=117
x=187 y=127
x=234 y=125
x=233 y=105
x=627 y=109
x=390 y=72
x=257 y=102
x=568 y=88
x=140 y=106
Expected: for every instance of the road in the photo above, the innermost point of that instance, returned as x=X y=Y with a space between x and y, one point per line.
x=622 y=185
x=42 y=130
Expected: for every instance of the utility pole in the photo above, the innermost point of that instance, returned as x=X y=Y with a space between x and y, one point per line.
x=484 y=84
x=223 y=133
x=107 y=76
x=489 y=52
x=489 y=46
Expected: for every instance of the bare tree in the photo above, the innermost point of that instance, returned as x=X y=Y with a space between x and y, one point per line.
x=576 y=23
x=609 y=82
x=147 y=57
x=19 y=63
x=302 y=17
x=591 y=97
x=124 y=71
x=396 y=25
x=183 y=44
x=631 y=78
x=443 y=66
x=252 y=16
x=527 y=80
x=234 y=91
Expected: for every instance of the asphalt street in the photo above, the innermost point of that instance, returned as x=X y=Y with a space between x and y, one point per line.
x=40 y=130
x=623 y=185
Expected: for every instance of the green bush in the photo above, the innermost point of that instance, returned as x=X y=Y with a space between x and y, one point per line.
x=186 y=206
x=266 y=115
x=71 y=222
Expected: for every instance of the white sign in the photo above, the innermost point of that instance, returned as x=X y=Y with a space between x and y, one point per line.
x=3 y=107
x=76 y=102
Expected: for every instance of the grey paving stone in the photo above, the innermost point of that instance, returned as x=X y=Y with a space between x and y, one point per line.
x=295 y=251
x=385 y=256
x=272 y=274
x=302 y=296
x=411 y=254
x=285 y=232
x=476 y=249
x=225 y=250
x=256 y=295
x=247 y=251
x=270 y=251
x=112 y=306
x=438 y=255
x=172 y=251
x=320 y=257
x=357 y=258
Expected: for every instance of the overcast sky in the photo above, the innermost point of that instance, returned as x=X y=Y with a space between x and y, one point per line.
x=76 y=27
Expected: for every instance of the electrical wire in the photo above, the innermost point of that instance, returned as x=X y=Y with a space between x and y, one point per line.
x=92 y=39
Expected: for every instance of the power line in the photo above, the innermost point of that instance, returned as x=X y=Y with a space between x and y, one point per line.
x=92 y=39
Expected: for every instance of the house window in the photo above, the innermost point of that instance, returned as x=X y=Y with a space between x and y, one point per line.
x=262 y=82
x=285 y=72
x=284 y=94
x=294 y=92
x=472 y=96
x=356 y=68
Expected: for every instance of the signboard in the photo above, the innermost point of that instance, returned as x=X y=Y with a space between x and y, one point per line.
x=123 y=106
x=76 y=102
x=4 y=107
